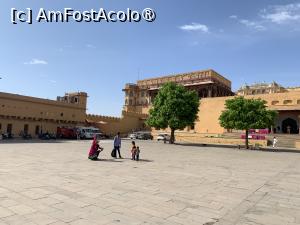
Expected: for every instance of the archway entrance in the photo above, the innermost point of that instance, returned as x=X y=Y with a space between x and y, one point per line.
x=289 y=126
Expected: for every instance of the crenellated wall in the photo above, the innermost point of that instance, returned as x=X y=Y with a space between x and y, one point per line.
x=128 y=122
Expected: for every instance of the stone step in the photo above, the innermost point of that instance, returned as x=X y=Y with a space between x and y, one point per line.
x=284 y=140
x=286 y=144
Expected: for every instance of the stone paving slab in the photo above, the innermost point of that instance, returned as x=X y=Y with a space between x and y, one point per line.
x=54 y=183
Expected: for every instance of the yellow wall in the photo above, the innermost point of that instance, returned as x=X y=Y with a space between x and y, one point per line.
x=23 y=106
x=44 y=126
x=127 y=123
x=208 y=116
x=211 y=109
x=19 y=110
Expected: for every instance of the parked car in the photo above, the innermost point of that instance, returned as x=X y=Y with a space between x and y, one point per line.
x=88 y=132
x=144 y=136
x=163 y=137
x=102 y=136
x=132 y=136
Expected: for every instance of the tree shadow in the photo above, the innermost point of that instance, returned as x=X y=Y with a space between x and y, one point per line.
x=278 y=149
x=205 y=145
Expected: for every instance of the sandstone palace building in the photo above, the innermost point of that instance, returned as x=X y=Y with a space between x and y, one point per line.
x=23 y=114
x=34 y=115
x=213 y=90
x=207 y=83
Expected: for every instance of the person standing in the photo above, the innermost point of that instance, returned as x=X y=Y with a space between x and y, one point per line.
x=117 y=145
x=288 y=129
x=78 y=134
x=137 y=153
x=275 y=142
x=133 y=150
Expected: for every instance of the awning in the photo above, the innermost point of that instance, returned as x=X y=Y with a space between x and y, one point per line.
x=285 y=107
x=89 y=121
x=186 y=85
x=102 y=122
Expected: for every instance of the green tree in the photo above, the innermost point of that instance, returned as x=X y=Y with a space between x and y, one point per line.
x=245 y=114
x=174 y=107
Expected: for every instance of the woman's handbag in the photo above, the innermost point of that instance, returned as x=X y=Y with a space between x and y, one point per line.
x=113 y=153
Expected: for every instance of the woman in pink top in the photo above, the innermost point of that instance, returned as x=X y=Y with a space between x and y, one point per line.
x=95 y=149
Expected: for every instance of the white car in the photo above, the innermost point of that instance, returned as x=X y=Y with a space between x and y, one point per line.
x=163 y=137
x=88 y=132
x=132 y=136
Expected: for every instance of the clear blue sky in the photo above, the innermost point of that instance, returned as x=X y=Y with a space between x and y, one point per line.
x=246 y=41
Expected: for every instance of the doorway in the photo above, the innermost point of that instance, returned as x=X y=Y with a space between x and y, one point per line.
x=26 y=129
x=9 y=128
x=290 y=126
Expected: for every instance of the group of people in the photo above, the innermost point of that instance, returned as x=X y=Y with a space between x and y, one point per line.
x=96 y=149
x=135 y=152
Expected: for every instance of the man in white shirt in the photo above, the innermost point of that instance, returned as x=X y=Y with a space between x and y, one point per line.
x=275 y=142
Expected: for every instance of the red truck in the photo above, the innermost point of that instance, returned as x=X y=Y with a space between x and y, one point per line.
x=66 y=133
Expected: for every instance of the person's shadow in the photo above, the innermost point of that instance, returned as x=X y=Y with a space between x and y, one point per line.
x=145 y=160
x=140 y=160
x=108 y=160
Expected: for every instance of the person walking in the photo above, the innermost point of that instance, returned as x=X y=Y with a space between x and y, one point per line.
x=117 y=145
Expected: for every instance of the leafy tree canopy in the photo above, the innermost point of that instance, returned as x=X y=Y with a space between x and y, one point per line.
x=174 y=107
x=245 y=114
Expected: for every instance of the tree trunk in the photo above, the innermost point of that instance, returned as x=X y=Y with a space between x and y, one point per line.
x=172 y=138
x=247 y=139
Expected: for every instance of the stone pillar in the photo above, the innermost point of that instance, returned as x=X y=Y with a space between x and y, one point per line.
x=210 y=92
x=272 y=130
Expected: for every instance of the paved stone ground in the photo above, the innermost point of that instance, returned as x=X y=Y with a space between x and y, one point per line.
x=55 y=183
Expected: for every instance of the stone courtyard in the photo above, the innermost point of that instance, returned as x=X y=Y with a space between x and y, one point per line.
x=54 y=183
